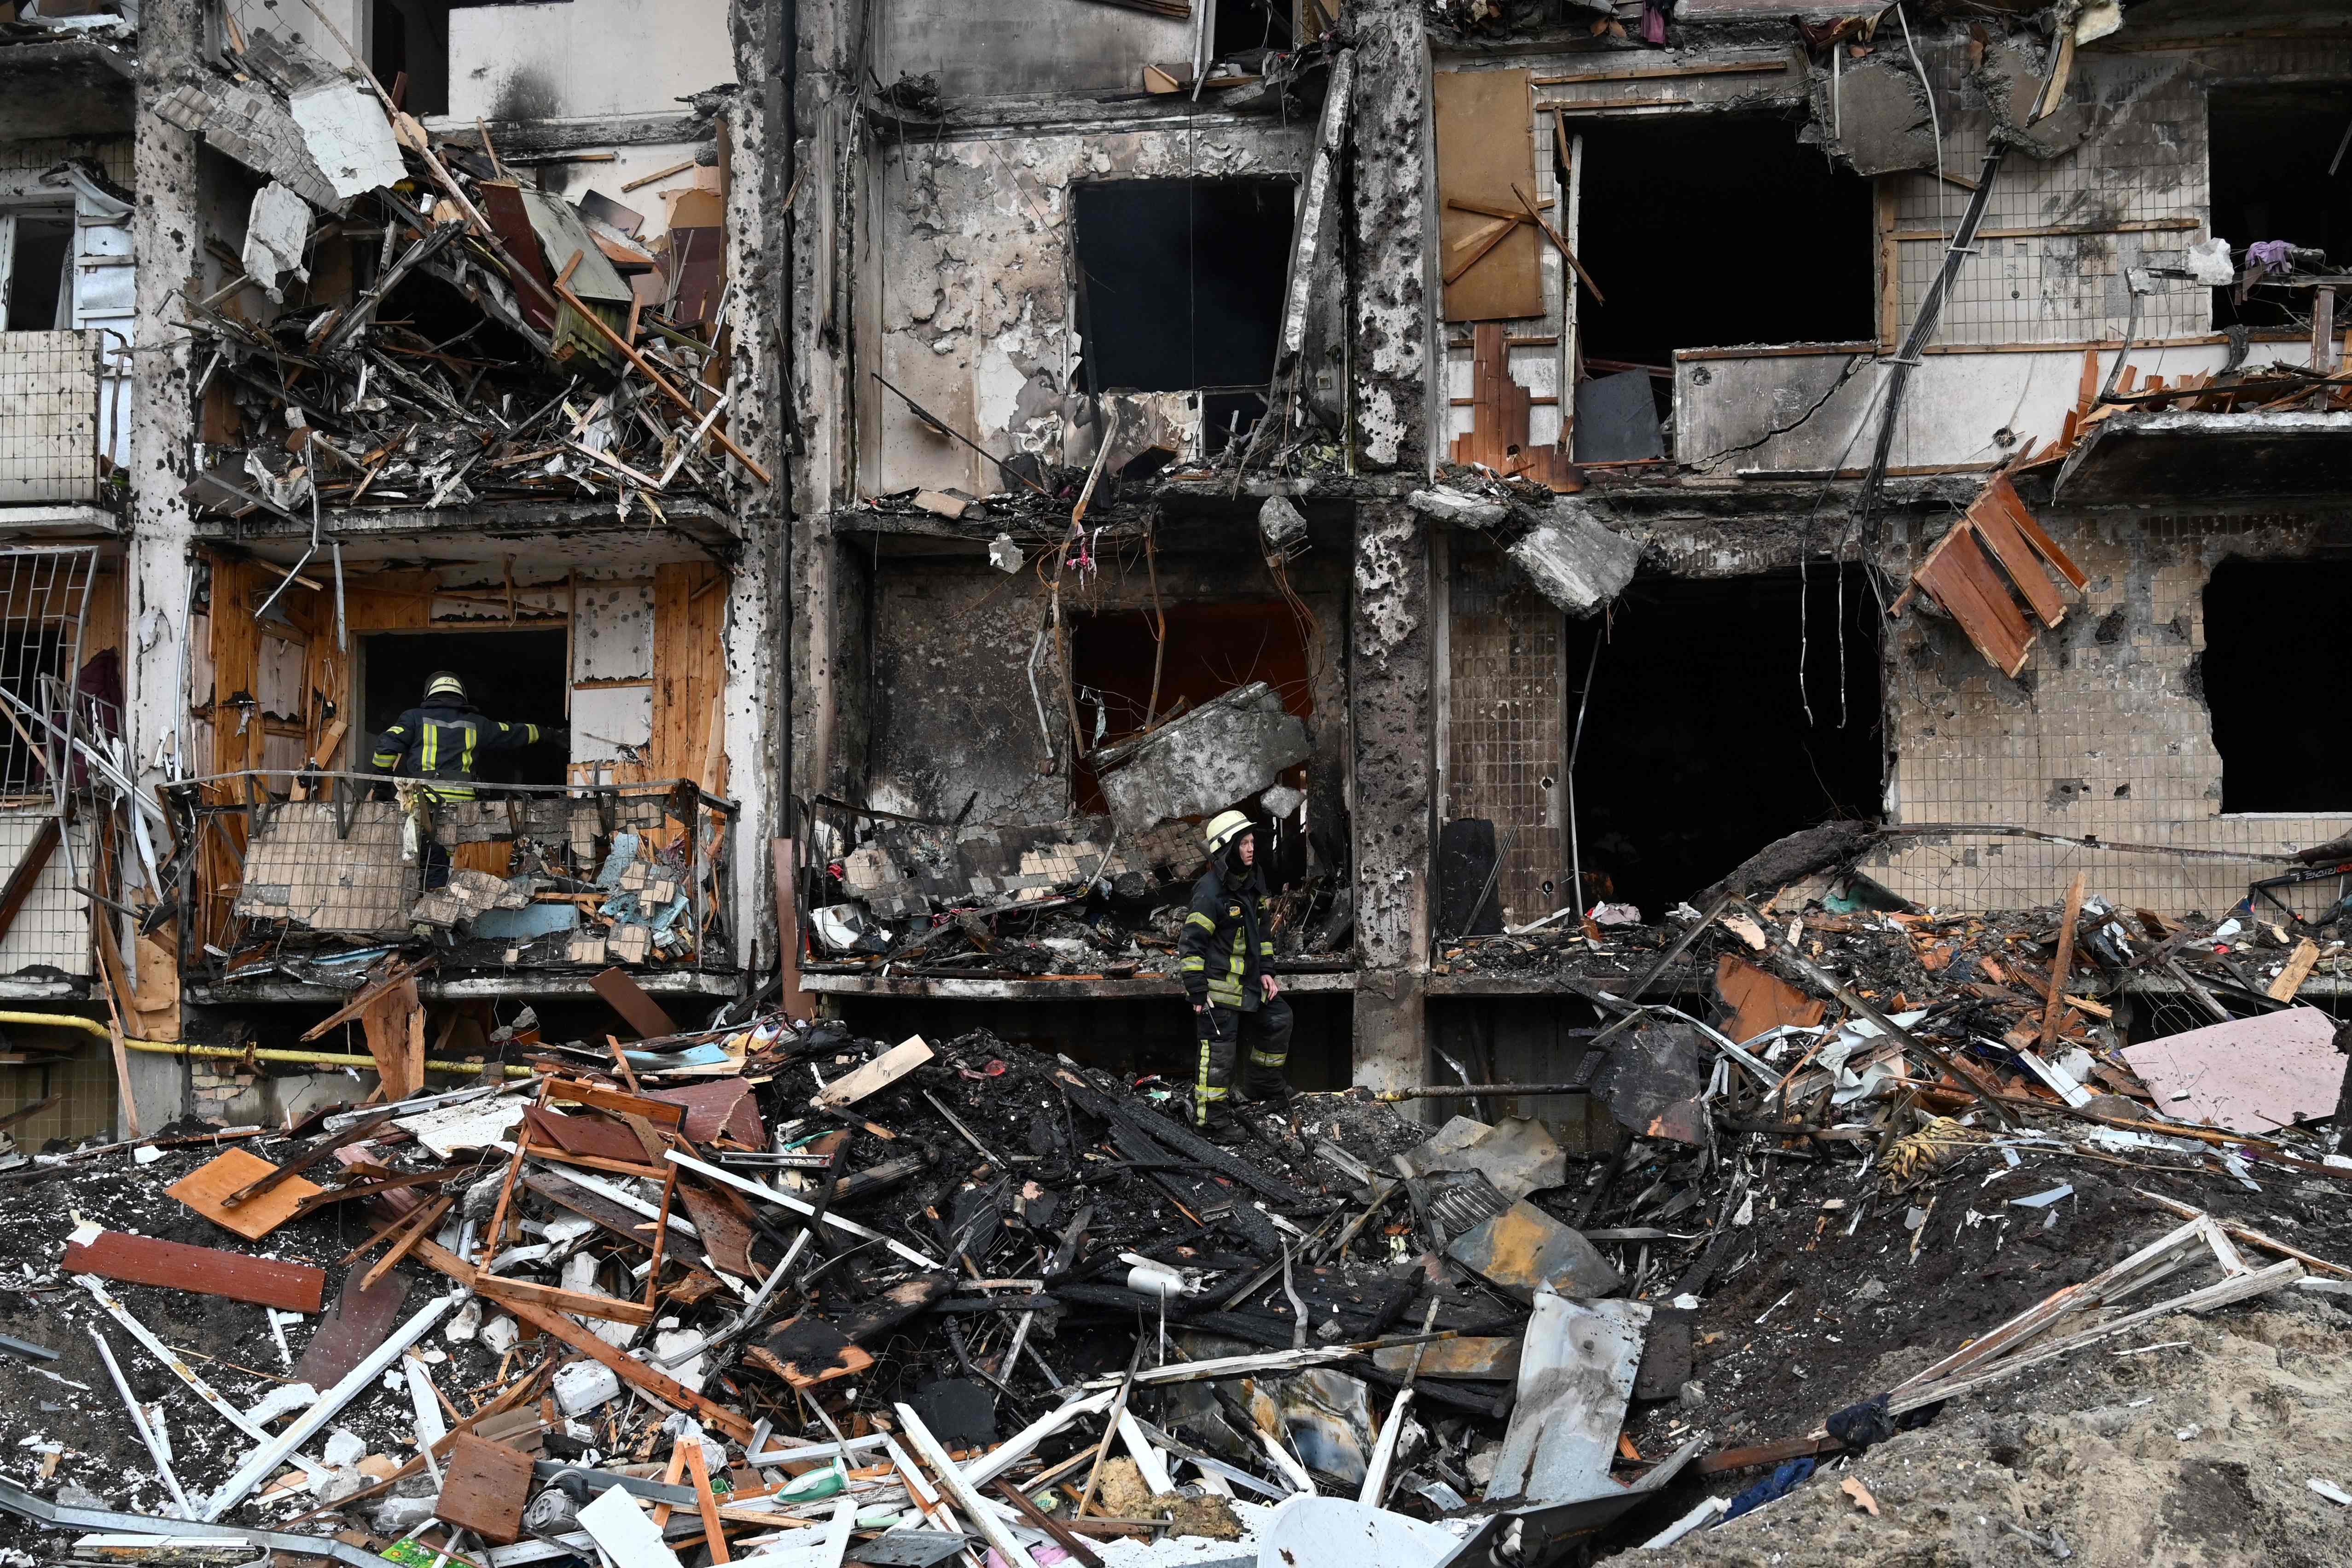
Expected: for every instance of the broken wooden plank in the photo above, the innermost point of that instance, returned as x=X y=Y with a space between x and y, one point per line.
x=637 y=1010
x=1994 y=513
x=2059 y=966
x=1957 y=574
x=205 y=1188
x=2298 y=969
x=484 y=1487
x=425 y=1220
x=203 y=1270
x=355 y=1325
x=874 y=1076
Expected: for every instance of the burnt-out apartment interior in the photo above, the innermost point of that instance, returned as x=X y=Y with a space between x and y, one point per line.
x=908 y=512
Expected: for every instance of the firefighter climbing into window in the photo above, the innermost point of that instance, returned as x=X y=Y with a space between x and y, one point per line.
x=438 y=741
x=1227 y=941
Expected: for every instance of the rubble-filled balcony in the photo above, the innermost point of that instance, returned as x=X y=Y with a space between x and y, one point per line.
x=296 y=884
x=58 y=424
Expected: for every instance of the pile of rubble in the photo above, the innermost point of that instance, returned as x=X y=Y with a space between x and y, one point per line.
x=767 y=1292
x=439 y=332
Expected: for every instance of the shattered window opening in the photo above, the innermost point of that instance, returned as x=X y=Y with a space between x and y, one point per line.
x=35 y=245
x=2264 y=618
x=1182 y=281
x=1697 y=750
x=1711 y=230
x=2269 y=156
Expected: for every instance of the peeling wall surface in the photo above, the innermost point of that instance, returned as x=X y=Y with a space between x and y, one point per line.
x=971 y=300
x=585 y=58
x=980 y=47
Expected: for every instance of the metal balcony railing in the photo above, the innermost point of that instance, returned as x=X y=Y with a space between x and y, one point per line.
x=59 y=404
x=298 y=872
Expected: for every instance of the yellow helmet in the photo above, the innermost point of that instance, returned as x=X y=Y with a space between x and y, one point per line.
x=1227 y=827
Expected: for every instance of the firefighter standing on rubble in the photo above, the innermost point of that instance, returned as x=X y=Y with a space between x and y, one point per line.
x=1227 y=939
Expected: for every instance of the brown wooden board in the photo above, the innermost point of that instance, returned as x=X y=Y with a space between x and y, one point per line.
x=715 y=1105
x=203 y=1188
x=583 y=1135
x=1995 y=513
x=358 y=1323
x=630 y=1369
x=1992 y=588
x=2041 y=540
x=503 y=207
x=387 y=1023
x=484 y=1487
x=573 y=1092
x=203 y=1270
x=627 y=998
x=726 y=1235
x=1945 y=576
x=1485 y=143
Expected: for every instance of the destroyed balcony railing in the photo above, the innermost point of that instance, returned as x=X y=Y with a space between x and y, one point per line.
x=60 y=415
x=305 y=875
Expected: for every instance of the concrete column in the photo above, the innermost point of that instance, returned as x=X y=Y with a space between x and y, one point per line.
x=1390 y=351
x=1391 y=713
x=166 y=238
x=1390 y=679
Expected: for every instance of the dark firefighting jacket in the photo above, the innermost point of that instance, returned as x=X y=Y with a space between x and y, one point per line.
x=1228 y=938
x=439 y=743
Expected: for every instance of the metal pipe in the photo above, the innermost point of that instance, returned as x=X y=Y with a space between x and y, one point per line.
x=233 y=1053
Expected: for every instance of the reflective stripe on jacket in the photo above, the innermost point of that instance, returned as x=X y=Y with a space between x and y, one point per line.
x=1226 y=939
x=439 y=744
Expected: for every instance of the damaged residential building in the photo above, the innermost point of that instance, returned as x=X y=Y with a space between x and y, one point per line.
x=1621 y=437
x=919 y=461
x=350 y=345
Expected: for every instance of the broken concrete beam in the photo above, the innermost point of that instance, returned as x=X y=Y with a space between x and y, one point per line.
x=1873 y=115
x=1226 y=751
x=1457 y=508
x=1574 y=562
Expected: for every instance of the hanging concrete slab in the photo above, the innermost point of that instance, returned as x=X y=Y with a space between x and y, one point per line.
x=1226 y=751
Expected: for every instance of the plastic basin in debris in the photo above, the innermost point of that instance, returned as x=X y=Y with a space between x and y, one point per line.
x=1335 y=1532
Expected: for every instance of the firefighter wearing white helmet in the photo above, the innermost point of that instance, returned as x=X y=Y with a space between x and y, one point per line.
x=1227 y=940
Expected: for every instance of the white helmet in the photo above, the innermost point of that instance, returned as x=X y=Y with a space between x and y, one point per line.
x=1227 y=827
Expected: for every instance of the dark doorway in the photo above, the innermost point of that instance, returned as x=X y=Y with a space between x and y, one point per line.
x=1697 y=748
x=1661 y=194
x=1248 y=27
x=2269 y=157
x=2263 y=620
x=1181 y=281
x=517 y=677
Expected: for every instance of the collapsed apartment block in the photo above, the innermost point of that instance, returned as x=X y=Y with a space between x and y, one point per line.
x=926 y=465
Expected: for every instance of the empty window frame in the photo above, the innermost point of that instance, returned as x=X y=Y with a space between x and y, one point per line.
x=1707 y=230
x=2263 y=620
x=36 y=268
x=1181 y=281
x=2275 y=156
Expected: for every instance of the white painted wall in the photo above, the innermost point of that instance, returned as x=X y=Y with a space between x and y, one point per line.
x=1955 y=410
x=590 y=56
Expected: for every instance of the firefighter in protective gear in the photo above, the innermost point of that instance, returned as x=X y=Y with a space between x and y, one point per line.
x=1227 y=941
x=438 y=741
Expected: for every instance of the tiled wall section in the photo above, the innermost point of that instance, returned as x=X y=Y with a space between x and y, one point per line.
x=2105 y=736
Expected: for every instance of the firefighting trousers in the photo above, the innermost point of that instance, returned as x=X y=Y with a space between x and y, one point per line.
x=1225 y=1033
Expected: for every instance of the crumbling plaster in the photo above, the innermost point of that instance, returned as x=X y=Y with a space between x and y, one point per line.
x=970 y=285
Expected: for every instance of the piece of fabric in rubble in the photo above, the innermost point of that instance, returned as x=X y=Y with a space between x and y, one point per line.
x=1778 y=1484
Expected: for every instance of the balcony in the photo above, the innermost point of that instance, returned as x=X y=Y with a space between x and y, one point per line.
x=296 y=882
x=62 y=399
